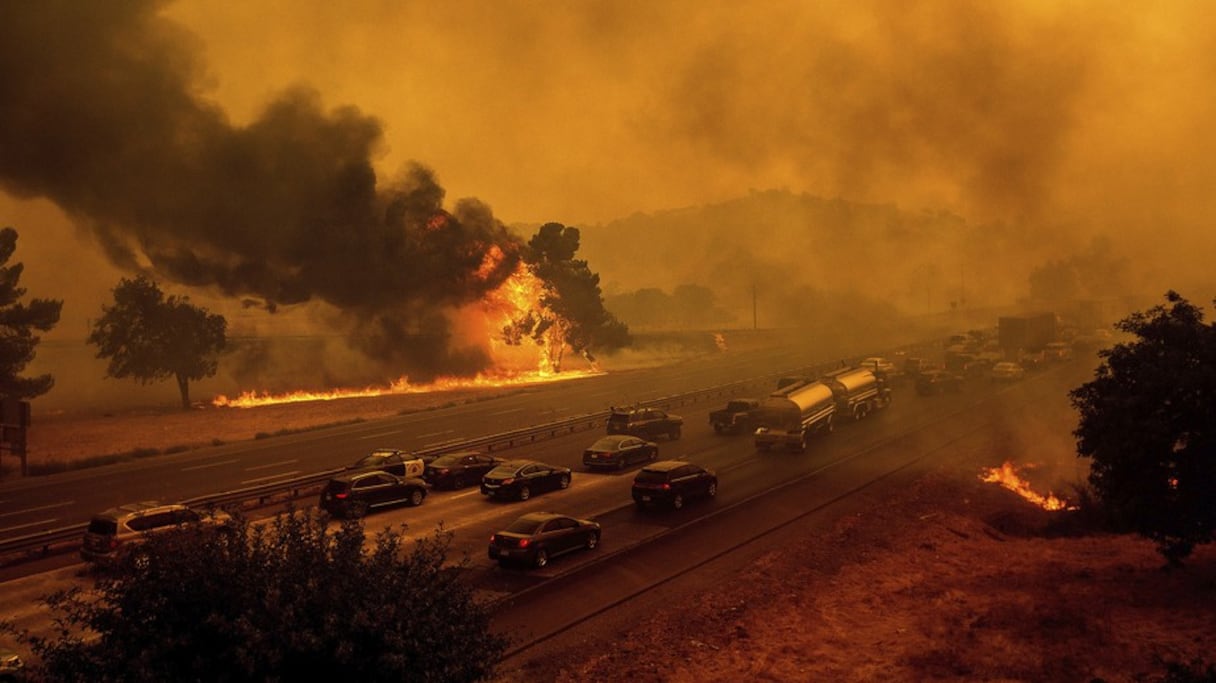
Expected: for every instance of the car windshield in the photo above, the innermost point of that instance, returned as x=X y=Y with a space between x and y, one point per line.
x=738 y=406
x=606 y=444
x=446 y=461
x=524 y=525
x=372 y=459
x=503 y=471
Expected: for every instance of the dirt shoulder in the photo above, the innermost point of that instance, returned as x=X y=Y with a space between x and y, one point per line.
x=57 y=440
x=952 y=579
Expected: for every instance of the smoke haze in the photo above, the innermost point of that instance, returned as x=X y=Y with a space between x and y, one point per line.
x=266 y=150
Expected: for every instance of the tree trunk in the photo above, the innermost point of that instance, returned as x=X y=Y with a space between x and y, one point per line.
x=183 y=385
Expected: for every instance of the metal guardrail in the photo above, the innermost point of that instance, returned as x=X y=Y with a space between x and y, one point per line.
x=46 y=542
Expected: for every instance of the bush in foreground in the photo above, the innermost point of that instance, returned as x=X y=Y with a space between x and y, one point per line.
x=292 y=600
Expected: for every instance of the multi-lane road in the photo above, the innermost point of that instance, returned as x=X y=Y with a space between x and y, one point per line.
x=757 y=493
x=38 y=504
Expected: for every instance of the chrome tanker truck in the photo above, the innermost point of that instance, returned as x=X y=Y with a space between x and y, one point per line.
x=789 y=415
x=858 y=391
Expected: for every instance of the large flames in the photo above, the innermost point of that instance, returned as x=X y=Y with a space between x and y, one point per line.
x=1007 y=476
x=510 y=315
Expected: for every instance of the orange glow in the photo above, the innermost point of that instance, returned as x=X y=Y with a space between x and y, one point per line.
x=1007 y=476
x=510 y=314
x=254 y=399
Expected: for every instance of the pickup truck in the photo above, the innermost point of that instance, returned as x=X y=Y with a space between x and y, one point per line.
x=735 y=418
x=647 y=423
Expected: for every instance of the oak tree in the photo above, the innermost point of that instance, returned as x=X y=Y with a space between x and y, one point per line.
x=149 y=337
x=1148 y=422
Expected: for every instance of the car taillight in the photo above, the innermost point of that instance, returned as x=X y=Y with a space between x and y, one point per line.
x=114 y=542
x=444 y=471
x=341 y=495
x=523 y=542
x=666 y=486
x=508 y=481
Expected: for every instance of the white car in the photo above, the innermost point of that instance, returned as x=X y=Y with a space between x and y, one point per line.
x=1006 y=371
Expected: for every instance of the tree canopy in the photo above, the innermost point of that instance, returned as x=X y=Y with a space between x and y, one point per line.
x=1148 y=422
x=18 y=322
x=572 y=292
x=292 y=600
x=150 y=337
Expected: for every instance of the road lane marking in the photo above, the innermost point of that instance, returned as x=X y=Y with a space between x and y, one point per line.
x=273 y=476
x=273 y=464
x=40 y=507
x=377 y=436
x=508 y=411
x=427 y=436
x=22 y=526
x=210 y=464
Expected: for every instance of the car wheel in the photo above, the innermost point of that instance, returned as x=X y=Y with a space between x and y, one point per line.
x=458 y=483
x=593 y=539
x=416 y=497
x=677 y=502
x=525 y=493
x=712 y=490
x=357 y=509
x=541 y=559
x=564 y=482
x=654 y=454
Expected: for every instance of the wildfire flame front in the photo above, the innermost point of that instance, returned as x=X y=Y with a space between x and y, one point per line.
x=1007 y=476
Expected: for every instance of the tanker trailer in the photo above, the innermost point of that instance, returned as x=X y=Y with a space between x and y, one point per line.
x=788 y=416
x=858 y=391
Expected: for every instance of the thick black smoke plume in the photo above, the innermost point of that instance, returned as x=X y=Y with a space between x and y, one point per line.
x=101 y=113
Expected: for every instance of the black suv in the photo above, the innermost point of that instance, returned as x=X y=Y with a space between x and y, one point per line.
x=354 y=495
x=648 y=423
x=671 y=482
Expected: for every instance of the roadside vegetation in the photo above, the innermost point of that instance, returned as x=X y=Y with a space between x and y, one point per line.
x=292 y=600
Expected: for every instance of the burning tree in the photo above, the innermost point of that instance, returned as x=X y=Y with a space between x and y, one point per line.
x=570 y=310
x=17 y=323
x=149 y=337
x=1148 y=421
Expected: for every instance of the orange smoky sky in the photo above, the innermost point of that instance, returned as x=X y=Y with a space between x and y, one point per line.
x=1088 y=114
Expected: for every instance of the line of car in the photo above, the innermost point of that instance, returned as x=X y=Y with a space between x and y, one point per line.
x=389 y=477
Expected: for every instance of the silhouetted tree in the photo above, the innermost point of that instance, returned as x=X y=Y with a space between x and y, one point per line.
x=291 y=600
x=572 y=293
x=150 y=338
x=1148 y=421
x=17 y=324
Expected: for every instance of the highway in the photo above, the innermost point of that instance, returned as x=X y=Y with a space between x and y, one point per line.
x=757 y=493
x=38 y=504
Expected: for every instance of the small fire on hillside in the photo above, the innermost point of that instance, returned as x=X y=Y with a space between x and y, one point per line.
x=510 y=315
x=1007 y=476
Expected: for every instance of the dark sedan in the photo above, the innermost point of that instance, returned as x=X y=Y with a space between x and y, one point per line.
x=617 y=451
x=672 y=482
x=521 y=478
x=354 y=495
x=458 y=470
x=536 y=537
